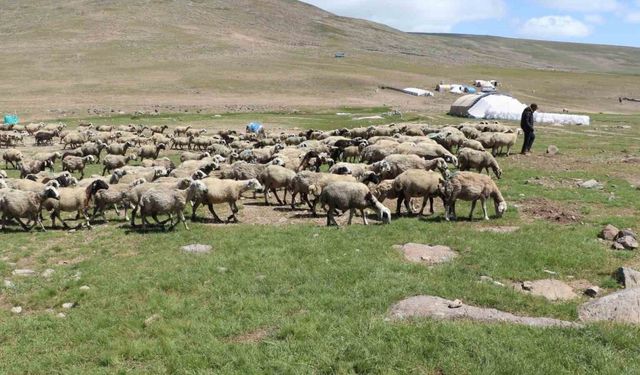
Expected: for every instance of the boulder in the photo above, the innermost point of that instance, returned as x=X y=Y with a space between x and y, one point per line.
x=628 y=277
x=590 y=184
x=592 y=291
x=443 y=309
x=626 y=232
x=196 y=249
x=426 y=254
x=628 y=242
x=609 y=232
x=620 y=307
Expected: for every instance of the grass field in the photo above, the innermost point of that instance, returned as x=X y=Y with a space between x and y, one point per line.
x=302 y=298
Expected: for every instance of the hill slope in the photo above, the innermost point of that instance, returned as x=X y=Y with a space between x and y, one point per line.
x=269 y=54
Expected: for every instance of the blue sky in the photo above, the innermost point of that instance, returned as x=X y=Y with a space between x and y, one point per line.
x=587 y=21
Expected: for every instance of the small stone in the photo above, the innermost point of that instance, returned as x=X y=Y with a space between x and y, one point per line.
x=591 y=184
x=315 y=235
x=550 y=272
x=84 y=288
x=553 y=290
x=527 y=285
x=426 y=254
x=260 y=277
x=609 y=232
x=150 y=320
x=628 y=277
x=48 y=273
x=552 y=150
x=23 y=272
x=486 y=278
x=627 y=242
x=592 y=291
x=498 y=283
x=222 y=269
x=196 y=249
x=61 y=315
x=455 y=304
x=16 y=309
x=626 y=232
x=68 y=305
x=617 y=246
x=77 y=276
x=9 y=284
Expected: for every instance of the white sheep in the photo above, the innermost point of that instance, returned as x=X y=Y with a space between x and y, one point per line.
x=158 y=201
x=74 y=199
x=17 y=204
x=417 y=183
x=13 y=157
x=76 y=163
x=224 y=191
x=351 y=196
x=112 y=162
x=479 y=160
x=471 y=186
x=275 y=177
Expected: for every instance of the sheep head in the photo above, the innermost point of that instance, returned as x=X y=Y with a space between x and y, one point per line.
x=501 y=207
x=253 y=184
x=50 y=192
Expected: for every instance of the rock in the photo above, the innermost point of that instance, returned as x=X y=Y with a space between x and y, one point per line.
x=61 y=315
x=591 y=184
x=609 y=232
x=628 y=277
x=425 y=254
x=9 y=284
x=16 y=309
x=550 y=272
x=84 y=288
x=23 y=272
x=621 y=307
x=626 y=232
x=48 y=273
x=438 y=308
x=196 y=249
x=486 y=278
x=592 y=291
x=553 y=290
x=627 y=242
x=68 y=305
x=455 y=304
x=505 y=229
x=150 y=320
x=222 y=269
x=552 y=150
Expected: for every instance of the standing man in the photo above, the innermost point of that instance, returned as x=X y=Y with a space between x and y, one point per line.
x=526 y=123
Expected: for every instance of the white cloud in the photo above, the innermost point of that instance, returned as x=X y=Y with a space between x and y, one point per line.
x=633 y=17
x=594 y=19
x=586 y=6
x=417 y=15
x=554 y=27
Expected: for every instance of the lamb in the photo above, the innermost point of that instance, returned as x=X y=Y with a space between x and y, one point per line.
x=173 y=201
x=274 y=177
x=417 y=183
x=471 y=186
x=34 y=166
x=13 y=157
x=158 y=129
x=501 y=140
x=75 y=163
x=351 y=196
x=221 y=191
x=188 y=155
x=114 y=196
x=399 y=163
x=112 y=162
x=151 y=151
x=74 y=199
x=479 y=160
x=181 y=130
x=16 y=204
x=384 y=190
x=119 y=148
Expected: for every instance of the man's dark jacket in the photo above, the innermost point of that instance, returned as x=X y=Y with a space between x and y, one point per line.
x=526 y=121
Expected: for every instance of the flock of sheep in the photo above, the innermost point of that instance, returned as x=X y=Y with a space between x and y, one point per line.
x=364 y=167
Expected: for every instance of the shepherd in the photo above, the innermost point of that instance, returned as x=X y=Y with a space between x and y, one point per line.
x=526 y=123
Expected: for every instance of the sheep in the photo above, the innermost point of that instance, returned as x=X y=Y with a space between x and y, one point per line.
x=3 y=174
x=473 y=144
x=201 y=143
x=115 y=195
x=384 y=190
x=43 y=137
x=74 y=199
x=469 y=131
x=92 y=148
x=219 y=149
x=189 y=167
x=188 y=155
x=430 y=151
x=16 y=204
x=274 y=177
x=160 y=138
x=63 y=178
x=351 y=196
x=134 y=194
x=399 y=163
x=359 y=170
x=125 y=176
x=29 y=185
x=151 y=151
x=158 y=129
x=34 y=166
x=479 y=160
x=181 y=130
x=173 y=201
x=501 y=140
x=112 y=162
x=165 y=163
x=32 y=128
x=119 y=148
x=13 y=157
x=104 y=128
x=471 y=186
x=314 y=183
x=221 y=191
x=417 y=183
x=73 y=140
x=76 y=163
x=376 y=152
x=195 y=132
x=74 y=152
x=486 y=139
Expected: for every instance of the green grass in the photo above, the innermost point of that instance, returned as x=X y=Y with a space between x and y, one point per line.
x=317 y=298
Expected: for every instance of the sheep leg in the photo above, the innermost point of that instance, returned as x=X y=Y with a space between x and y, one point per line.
x=284 y=199
x=194 y=208
x=85 y=214
x=293 y=200
x=23 y=225
x=184 y=221
x=104 y=170
x=275 y=193
x=407 y=204
x=484 y=208
x=133 y=215
x=508 y=150
x=215 y=216
x=473 y=206
x=431 y=211
x=352 y=212
x=330 y=219
x=234 y=211
x=364 y=217
x=266 y=196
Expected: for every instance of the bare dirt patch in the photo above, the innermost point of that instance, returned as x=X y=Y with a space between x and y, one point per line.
x=545 y=209
x=505 y=229
x=251 y=337
x=426 y=254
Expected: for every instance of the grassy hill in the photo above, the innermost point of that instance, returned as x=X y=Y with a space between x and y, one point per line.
x=272 y=54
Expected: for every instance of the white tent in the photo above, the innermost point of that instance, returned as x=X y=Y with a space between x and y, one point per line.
x=504 y=107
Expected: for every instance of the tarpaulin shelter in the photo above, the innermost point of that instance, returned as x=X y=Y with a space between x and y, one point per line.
x=11 y=119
